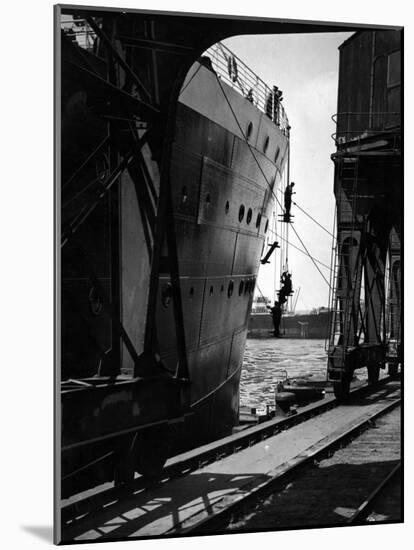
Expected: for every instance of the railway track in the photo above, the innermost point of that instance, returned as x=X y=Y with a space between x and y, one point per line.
x=203 y=488
x=364 y=510
x=340 y=485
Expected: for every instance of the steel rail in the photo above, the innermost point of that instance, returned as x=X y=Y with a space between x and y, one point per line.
x=228 y=505
x=189 y=461
x=362 y=511
x=216 y=450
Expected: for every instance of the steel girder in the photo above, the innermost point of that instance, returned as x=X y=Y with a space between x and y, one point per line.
x=368 y=192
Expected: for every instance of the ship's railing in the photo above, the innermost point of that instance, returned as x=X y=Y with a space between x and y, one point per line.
x=227 y=66
x=354 y=126
x=79 y=31
x=240 y=77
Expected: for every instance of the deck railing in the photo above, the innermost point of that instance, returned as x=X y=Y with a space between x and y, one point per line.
x=240 y=77
x=226 y=65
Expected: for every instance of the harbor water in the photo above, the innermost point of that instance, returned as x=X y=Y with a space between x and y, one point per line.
x=270 y=360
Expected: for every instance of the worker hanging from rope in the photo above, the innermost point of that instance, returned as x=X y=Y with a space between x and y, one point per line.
x=276 y=313
x=288 y=201
x=286 y=288
x=283 y=294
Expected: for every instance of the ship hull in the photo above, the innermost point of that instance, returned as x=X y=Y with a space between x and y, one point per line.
x=226 y=158
x=221 y=228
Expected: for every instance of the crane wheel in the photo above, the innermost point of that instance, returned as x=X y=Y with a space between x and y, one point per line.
x=152 y=451
x=393 y=369
x=373 y=374
x=341 y=389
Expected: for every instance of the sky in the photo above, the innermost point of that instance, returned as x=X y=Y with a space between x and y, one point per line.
x=305 y=67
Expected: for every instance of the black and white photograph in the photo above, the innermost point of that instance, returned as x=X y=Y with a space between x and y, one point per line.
x=228 y=273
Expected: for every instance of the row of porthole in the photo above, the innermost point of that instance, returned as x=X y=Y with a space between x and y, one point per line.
x=245 y=287
x=242 y=210
x=227 y=209
x=266 y=141
x=249 y=216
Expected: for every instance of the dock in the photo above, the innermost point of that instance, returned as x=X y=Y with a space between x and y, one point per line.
x=189 y=502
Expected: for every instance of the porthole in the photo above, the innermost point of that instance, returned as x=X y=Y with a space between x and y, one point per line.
x=222 y=288
x=241 y=213
x=266 y=144
x=249 y=129
x=252 y=285
x=227 y=207
x=95 y=301
x=211 y=290
x=241 y=287
x=191 y=292
x=277 y=154
x=246 y=287
x=230 y=289
x=166 y=295
x=184 y=194
x=249 y=216
x=266 y=226
x=258 y=219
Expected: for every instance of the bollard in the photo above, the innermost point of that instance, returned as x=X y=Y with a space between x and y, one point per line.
x=283 y=401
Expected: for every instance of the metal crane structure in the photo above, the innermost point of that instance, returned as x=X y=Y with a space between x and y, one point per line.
x=366 y=282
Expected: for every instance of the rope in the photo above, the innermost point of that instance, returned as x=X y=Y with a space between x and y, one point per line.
x=258 y=288
x=313 y=261
x=300 y=250
x=313 y=219
x=283 y=234
x=265 y=178
x=286 y=225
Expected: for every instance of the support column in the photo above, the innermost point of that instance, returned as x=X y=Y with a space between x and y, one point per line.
x=393 y=311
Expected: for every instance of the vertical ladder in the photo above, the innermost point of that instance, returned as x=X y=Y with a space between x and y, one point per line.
x=347 y=178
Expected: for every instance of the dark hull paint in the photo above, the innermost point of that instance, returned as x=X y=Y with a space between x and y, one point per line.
x=221 y=193
x=216 y=251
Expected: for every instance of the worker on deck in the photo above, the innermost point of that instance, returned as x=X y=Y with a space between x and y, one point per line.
x=288 y=199
x=276 y=106
x=269 y=105
x=273 y=104
x=276 y=313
